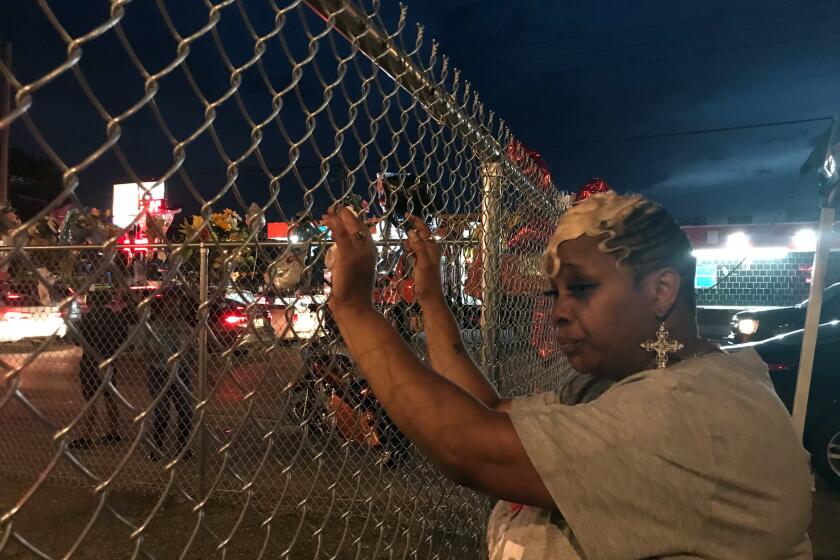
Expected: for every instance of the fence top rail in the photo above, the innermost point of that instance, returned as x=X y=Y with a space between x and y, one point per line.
x=356 y=27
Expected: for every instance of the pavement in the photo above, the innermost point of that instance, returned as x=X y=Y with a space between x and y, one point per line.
x=256 y=456
x=825 y=525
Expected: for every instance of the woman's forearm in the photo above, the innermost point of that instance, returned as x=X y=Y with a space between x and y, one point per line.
x=448 y=354
x=431 y=410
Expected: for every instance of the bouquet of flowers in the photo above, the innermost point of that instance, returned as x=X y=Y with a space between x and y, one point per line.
x=104 y=223
x=223 y=227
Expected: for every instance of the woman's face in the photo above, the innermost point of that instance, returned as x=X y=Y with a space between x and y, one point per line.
x=601 y=315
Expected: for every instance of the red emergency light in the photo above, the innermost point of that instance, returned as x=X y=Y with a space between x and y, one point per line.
x=137 y=244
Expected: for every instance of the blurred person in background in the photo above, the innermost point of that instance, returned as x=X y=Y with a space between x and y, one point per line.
x=102 y=329
x=172 y=356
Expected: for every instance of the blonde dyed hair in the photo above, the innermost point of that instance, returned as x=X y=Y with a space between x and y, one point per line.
x=640 y=233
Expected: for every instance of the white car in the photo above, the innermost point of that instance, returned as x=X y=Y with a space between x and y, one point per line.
x=298 y=318
x=25 y=315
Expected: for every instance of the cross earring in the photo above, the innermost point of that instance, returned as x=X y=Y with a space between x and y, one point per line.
x=662 y=346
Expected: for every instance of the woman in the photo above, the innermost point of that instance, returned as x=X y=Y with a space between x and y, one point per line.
x=689 y=454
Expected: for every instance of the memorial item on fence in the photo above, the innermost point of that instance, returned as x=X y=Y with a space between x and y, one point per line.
x=9 y=220
x=520 y=263
x=530 y=162
x=65 y=226
x=399 y=194
x=286 y=271
x=255 y=219
x=222 y=227
x=593 y=186
x=520 y=274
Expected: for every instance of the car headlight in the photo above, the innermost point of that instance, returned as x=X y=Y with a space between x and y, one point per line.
x=747 y=326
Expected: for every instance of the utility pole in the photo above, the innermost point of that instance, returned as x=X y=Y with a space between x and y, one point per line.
x=812 y=314
x=5 y=107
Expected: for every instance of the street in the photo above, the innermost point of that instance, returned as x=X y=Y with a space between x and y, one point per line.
x=249 y=433
x=254 y=451
x=245 y=402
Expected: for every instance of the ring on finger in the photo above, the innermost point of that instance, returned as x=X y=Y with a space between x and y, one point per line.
x=359 y=235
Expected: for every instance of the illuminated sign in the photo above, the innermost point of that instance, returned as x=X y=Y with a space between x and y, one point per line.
x=278 y=230
x=706 y=276
x=136 y=244
x=128 y=200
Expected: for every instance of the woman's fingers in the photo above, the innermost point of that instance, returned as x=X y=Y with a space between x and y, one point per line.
x=353 y=224
x=345 y=226
x=420 y=226
x=418 y=247
x=423 y=238
x=339 y=232
x=414 y=242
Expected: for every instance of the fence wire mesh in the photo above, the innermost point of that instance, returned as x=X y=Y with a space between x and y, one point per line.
x=182 y=391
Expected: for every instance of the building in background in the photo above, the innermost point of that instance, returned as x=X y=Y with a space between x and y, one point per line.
x=756 y=265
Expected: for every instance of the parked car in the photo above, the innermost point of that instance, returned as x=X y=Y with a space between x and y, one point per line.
x=297 y=318
x=822 y=423
x=752 y=325
x=230 y=322
x=714 y=322
x=30 y=313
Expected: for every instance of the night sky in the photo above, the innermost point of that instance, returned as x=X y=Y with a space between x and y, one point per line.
x=622 y=90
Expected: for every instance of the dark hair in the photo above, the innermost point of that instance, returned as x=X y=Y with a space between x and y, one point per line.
x=650 y=239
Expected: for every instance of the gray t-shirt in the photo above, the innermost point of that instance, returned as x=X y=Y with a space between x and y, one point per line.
x=699 y=460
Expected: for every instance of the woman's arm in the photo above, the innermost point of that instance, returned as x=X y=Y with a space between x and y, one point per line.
x=450 y=358
x=473 y=444
x=446 y=348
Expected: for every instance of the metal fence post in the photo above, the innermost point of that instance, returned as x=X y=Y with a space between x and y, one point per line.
x=491 y=224
x=202 y=369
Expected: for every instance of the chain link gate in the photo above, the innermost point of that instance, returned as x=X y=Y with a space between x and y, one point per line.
x=191 y=397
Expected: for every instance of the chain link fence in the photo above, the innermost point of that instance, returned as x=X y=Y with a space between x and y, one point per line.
x=182 y=391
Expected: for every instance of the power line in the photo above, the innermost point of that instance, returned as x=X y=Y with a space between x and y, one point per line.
x=683 y=133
